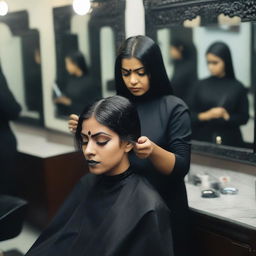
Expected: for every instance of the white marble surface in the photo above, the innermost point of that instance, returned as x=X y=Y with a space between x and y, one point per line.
x=35 y=142
x=240 y=208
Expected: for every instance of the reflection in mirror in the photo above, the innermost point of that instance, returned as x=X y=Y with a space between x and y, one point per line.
x=75 y=86
x=21 y=65
x=200 y=69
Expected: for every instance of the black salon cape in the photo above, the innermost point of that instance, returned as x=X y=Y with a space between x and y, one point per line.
x=109 y=216
x=220 y=92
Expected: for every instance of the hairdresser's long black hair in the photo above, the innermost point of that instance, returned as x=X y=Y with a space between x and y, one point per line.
x=222 y=51
x=148 y=52
x=115 y=112
x=79 y=60
x=188 y=50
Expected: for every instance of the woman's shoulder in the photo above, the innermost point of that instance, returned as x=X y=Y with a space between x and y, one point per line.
x=172 y=103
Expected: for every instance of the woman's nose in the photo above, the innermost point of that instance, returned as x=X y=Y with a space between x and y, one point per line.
x=89 y=149
x=133 y=79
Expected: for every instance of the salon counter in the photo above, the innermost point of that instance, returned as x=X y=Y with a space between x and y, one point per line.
x=225 y=225
x=48 y=167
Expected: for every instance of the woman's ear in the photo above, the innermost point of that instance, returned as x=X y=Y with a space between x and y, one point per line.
x=128 y=146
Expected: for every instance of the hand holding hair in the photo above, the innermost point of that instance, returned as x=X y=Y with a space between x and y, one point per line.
x=144 y=147
x=72 y=123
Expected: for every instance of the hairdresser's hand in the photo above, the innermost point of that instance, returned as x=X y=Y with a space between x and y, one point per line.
x=72 y=123
x=214 y=113
x=63 y=100
x=144 y=147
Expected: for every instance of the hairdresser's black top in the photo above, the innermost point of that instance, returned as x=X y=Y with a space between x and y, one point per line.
x=184 y=79
x=220 y=92
x=81 y=91
x=166 y=122
x=109 y=216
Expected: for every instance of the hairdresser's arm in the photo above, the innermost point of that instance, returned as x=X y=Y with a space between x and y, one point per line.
x=163 y=160
x=174 y=159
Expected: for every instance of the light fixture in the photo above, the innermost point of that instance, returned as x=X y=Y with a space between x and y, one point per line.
x=3 y=8
x=81 y=7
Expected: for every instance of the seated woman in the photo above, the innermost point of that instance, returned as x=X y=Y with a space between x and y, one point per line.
x=112 y=210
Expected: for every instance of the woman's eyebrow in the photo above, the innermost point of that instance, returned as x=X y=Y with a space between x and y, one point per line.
x=129 y=70
x=96 y=134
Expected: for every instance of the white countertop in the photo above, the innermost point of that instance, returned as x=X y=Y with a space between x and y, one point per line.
x=240 y=208
x=35 y=142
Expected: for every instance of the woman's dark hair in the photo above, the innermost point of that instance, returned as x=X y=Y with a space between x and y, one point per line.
x=222 y=51
x=79 y=60
x=189 y=51
x=148 y=52
x=117 y=113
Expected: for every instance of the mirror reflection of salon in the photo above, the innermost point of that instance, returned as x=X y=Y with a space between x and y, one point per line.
x=220 y=104
x=79 y=89
x=22 y=71
x=184 y=58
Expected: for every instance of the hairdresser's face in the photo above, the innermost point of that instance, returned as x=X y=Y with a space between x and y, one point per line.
x=135 y=77
x=70 y=66
x=216 y=65
x=103 y=150
x=176 y=52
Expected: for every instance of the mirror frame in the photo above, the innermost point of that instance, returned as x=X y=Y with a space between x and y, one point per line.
x=18 y=22
x=170 y=13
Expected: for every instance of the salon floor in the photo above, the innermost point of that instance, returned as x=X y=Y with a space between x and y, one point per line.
x=19 y=246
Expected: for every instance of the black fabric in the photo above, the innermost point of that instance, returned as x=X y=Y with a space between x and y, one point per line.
x=220 y=92
x=109 y=216
x=9 y=110
x=82 y=91
x=184 y=79
x=166 y=121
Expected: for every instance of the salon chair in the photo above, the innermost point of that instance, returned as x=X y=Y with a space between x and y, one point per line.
x=12 y=214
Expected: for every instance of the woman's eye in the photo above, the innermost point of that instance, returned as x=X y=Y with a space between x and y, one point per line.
x=142 y=74
x=102 y=143
x=125 y=74
x=84 y=142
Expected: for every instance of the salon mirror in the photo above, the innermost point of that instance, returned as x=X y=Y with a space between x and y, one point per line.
x=185 y=49
x=207 y=23
x=97 y=43
x=75 y=84
x=21 y=64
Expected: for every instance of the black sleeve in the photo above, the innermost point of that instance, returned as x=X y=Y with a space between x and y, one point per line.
x=152 y=236
x=237 y=118
x=179 y=135
x=242 y=115
x=9 y=108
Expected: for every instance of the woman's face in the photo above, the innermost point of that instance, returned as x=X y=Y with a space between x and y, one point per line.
x=70 y=66
x=176 y=52
x=135 y=77
x=103 y=149
x=216 y=65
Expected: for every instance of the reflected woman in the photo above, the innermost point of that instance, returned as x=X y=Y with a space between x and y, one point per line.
x=184 y=58
x=112 y=210
x=79 y=88
x=220 y=102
